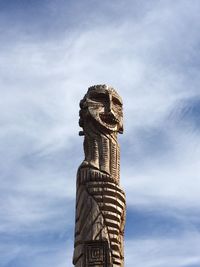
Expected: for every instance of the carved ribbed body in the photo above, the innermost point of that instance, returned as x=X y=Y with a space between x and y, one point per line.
x=100 y=202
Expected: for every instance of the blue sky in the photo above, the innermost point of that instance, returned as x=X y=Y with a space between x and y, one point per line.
x=51 y=51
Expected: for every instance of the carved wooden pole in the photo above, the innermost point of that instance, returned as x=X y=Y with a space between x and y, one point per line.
x=100 y=202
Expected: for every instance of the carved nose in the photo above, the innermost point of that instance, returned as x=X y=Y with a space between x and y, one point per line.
x=109 y=108
x=110 y=103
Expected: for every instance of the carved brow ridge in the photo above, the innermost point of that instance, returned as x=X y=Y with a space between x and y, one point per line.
x=104 y=95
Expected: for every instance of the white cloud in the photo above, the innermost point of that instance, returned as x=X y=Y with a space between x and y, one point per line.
x=163 y=252
x=168 y=177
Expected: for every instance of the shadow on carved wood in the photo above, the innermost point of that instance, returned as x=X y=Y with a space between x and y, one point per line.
x=100 y=202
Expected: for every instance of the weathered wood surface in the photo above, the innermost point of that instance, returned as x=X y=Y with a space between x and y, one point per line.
x=100 y=202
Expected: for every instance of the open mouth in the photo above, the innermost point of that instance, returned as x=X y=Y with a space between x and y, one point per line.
x=108 y=119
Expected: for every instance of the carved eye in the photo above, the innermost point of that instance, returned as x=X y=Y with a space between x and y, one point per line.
x=99 y=97
x=116 y=102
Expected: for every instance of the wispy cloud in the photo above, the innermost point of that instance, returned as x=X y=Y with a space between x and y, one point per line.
x=180 y=252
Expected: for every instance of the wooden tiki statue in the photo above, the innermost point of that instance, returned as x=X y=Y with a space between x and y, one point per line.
x=100 y=202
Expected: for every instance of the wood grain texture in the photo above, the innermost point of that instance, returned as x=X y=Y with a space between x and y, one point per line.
x=100 y=201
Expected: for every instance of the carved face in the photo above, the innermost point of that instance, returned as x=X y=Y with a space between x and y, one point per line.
x=104 y=105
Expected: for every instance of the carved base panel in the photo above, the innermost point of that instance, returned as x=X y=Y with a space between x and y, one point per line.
x=96 y=254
